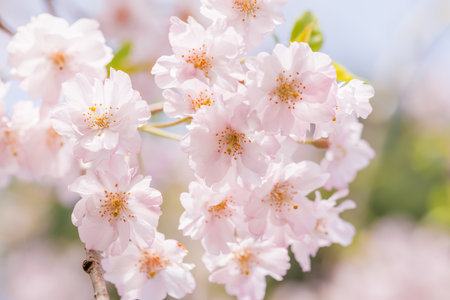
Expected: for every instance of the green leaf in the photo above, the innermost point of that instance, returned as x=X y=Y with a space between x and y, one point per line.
x=343 y=74
x=119 y=61
x=307 y=30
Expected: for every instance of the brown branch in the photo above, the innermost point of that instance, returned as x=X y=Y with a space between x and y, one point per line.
x=5 y=28
x=93 y=267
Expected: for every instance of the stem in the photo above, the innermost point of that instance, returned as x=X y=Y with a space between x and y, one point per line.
x=156 y=107
x=322 y=143
x=170 y=124
x=93 y=267
x=141 y=164
x=159 y=132
x=5 y=28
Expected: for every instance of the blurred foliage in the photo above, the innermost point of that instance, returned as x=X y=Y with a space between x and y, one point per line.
x=412 y=166
x=342 y=74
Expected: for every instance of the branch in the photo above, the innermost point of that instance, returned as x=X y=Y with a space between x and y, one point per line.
x=93 y=267
x=5 y=28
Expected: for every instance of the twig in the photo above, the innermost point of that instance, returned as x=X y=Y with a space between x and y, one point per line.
x=50 y=7
x=5 y=28
x=93 y=267
x=159 y=132
x=170 y=124
x=156 y=107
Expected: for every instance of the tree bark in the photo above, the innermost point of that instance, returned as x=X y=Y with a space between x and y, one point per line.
x=93 y=267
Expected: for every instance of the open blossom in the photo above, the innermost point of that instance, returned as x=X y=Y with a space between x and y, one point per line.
x=281 y=198
x=14 y=132
x=151 y=272
x=115 y=205
x=223 y=141
x=210 y=55
x=329 y=228
x=101 y=118
x=243 y=270
x=253 y=19
x=48 y=51
x=213 y=216
x=347 y=154
x=353 y=98
x=53 y=150
x=292 y=88
x=191 y=96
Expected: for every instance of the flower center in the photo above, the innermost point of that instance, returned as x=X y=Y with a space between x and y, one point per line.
x=11 y=141
x=245 y=259
x=99 y=117
x=204 y=98
x=152 y=263
x=199 y=59
x=58 y=59
x=289 y=90
x=114 y=205
x=231 y=142
x=222 y=209
x=321 y=226
x=281 y=196
x=248 y=8
x=53 y=139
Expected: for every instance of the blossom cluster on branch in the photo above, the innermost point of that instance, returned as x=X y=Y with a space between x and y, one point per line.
x=251 y=119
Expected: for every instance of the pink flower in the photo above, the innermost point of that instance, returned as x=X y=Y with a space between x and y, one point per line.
x=210 y=55
x=353 y=98
x=101 y=118
x=281 y=198
x=116 y=204
x=253 y=19
x=222 y=141
x=14 y=133
x=330 y=228
x=243 y=270
x=347 y=154
x=191 y=96
x=48 y=153
x=47 y=52
x=292 y=88
x=151 y=272
x=213 y=216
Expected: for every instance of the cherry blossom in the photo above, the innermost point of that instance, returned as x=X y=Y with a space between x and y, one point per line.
x=191 y=96
x=329 y=228
x=48 y=51
x=281 y=198
x=253 y=19
x=151 y=272
x=210 y=55
x=116 y=204
x=243 y=270
x=13 y=136
x=213 y=216
x=292 y=88
x=101 y=118
x=54 y=152
x=347 y=154
x=353 y=98
x=223 y=141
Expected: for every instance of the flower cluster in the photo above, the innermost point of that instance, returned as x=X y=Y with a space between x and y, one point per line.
x=250 y=121
x=87 y=126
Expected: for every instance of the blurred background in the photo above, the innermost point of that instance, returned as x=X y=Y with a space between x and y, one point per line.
x=402 y=246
